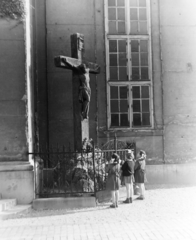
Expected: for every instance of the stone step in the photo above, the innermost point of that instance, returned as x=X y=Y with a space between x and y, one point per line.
x=6 y=204
x=14 y=211
x=63 y=203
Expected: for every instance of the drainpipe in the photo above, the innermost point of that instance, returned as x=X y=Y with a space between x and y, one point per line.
x=162 y=73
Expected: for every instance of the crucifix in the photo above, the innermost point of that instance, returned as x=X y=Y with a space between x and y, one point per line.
x=81 y=70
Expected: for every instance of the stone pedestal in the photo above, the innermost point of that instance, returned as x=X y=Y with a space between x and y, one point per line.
x=17 y=181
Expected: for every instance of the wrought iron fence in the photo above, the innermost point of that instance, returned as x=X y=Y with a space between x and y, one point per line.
x=60 y=172
x=66 y=173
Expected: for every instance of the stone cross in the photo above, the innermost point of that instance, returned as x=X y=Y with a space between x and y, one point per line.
x=81 y=122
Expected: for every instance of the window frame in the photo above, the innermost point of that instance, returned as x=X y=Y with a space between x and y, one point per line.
x=129 y=83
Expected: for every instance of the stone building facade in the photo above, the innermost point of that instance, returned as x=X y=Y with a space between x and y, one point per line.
x=141 y=46
x=144 y=93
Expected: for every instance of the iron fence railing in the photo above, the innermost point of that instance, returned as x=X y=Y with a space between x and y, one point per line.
x=60 y=172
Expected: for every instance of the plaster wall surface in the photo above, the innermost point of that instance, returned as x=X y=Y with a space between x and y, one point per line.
x=12 y=92
x=178 y=37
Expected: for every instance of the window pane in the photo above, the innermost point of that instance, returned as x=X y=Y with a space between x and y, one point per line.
x=142 y=14
x=123 y=73
x=142 y=3
x=143 y=46
x=145 y=106
x=111 y=2
x=113 y=73
x=134 y=27
x=114 y=120
x=133 y=14
x=134 y=46
x=136 y=120
x=124 y=120
x=113 y=59
x=121 y=27
x=143 y=27
x=122 y=46
x=112 y=13
x=112 y=46
x=120 y=3
x=114 y=106
x=123 y=92
x=113 y=92
x=146 y=119
x=135 y=59
x=145 y=92
x=123 y=106
x=136 y=106
x=122 y=59
x=133 y=3
x=144 y=59
x=135 y=73
x=112 y=27
x=144 y=73
x=121 y=14
x=136 y=92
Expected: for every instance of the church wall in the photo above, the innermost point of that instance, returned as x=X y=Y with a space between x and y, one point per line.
x=65 y=18
x=40 y=72
x=12 y=92
x=16 y=173
x=178 y=28
x=149 y=140
x=173 y=36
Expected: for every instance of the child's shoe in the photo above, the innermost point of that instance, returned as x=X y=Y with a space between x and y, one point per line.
x=141 y=197
x=127 y=200
x=113 y=206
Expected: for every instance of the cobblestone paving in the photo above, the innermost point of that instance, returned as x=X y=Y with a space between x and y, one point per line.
x=165 y=214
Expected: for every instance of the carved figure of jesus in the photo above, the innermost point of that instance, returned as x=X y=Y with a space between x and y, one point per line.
x=84 y=91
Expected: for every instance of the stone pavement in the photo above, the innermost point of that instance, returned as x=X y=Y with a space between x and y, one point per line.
x=165 y=214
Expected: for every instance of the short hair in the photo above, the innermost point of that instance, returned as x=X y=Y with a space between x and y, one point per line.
x=116 y=157
x=142 y=152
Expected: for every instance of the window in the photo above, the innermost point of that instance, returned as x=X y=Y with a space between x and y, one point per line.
x=128 y=55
